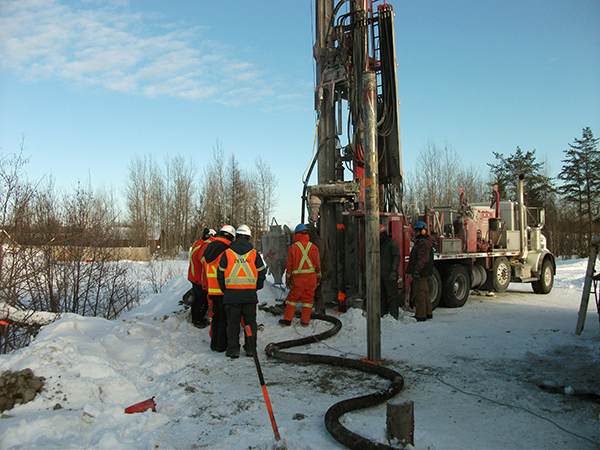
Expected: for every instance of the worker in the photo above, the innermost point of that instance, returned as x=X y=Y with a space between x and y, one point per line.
x=196 y=276
x=212 y=258
x=420 y=267
x=326 y=266
x=302 y=276
x=389 y=257
x=241 y=273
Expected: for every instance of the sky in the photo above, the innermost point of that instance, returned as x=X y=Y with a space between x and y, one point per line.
x=474 y=374
x=93 y=84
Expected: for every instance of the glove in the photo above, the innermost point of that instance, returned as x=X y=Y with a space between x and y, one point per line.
x=392 y=276
x=288 y=283
x=416 y=275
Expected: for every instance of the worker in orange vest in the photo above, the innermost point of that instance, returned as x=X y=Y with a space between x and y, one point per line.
x=212 y=257
x=196 y=276
x=302 y=275
x=241 y=273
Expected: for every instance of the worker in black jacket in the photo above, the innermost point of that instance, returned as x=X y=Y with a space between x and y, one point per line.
x=389 y=254
x=212 y=257
x=420 y=266
x=241 y=273
x=326 y=266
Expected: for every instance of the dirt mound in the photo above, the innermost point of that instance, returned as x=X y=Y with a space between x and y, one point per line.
x=18 y=387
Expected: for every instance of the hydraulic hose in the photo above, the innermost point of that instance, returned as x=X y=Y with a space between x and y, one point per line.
x=340 y=433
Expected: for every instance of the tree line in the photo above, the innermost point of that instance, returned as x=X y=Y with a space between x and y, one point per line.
x=174 y=203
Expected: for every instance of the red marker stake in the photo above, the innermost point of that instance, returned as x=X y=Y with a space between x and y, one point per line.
x=262 y=381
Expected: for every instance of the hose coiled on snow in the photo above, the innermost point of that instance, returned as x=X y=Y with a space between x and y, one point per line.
x=340 y=433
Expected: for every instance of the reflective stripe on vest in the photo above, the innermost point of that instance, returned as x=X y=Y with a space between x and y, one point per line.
x=304 y=259
x=241 y=272
x=211 y=276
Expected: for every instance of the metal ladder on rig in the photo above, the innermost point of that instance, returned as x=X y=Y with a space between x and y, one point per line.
x=591 y=279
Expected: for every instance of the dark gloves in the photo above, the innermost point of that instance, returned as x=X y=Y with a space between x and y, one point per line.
x=288 y=283
x=415 y=275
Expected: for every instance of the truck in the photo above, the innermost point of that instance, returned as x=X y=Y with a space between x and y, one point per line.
x=477 y=246
x=481 y=247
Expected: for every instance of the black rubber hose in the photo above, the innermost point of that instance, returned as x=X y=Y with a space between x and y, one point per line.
x=340 y=433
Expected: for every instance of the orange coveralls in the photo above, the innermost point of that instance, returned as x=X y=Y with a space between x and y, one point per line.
x=303 y=269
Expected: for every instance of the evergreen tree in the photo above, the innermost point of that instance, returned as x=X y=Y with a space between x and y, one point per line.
x=538 y=188
x=581 y=179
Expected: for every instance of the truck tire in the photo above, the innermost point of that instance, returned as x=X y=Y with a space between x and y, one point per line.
x=501 y=274
x=456 y=285
x=546 y=281
x=435 y=289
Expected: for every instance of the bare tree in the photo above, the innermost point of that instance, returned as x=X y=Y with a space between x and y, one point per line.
x=138 y=199
x=180 y=194
x=439 y=175
x=212 y=210
x=266 y=195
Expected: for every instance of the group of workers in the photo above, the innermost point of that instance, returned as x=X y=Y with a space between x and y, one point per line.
x=419 y=269
x=226 y=272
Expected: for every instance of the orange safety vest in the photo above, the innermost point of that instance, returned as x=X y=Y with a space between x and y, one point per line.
x=195 y=269
x=211 y=272
x=241 y=271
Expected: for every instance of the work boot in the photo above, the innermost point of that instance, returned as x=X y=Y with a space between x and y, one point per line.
x=285 y=323
x=233 y=354
x=430 y=316
x=304 y=324
x=202 y=323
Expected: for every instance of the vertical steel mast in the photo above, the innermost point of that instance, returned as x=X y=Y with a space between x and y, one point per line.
x=355 y=63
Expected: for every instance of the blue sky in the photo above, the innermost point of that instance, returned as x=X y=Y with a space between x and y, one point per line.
x=93 y=83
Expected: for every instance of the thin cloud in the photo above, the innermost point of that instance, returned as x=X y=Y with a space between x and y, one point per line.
x=101 y=44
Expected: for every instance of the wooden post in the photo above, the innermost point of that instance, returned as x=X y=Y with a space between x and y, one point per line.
x=401 y=422
x=587 y=285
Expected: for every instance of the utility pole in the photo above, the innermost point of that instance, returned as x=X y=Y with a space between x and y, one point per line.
x=372 y=218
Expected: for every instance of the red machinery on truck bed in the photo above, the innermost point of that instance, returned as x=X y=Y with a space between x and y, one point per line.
x=481 y=247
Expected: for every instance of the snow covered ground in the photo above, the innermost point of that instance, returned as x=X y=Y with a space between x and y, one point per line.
x=473 y=374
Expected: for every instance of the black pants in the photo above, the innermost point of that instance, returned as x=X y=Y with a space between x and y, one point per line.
x=200 y=303
x=389 y=297
x=319 y=301
x=236 y=312
x=218 y=325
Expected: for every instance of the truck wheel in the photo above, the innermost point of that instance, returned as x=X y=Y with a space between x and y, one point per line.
x=501 y=274
x=546 y=281
x=456 y=285
x=435 y=289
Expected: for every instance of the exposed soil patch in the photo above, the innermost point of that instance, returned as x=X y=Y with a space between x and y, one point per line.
x=18 y=387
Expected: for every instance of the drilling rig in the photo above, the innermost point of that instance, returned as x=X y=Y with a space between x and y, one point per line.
x=358 y=132
x=356 y=100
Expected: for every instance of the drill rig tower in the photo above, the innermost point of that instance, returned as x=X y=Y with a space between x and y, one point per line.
x=356 y=100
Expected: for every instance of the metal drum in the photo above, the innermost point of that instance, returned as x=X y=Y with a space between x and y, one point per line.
x=275 y=245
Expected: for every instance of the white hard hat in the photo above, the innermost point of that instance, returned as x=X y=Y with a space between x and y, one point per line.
x=212 y=232
x=243 y=230
x=228 y=229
